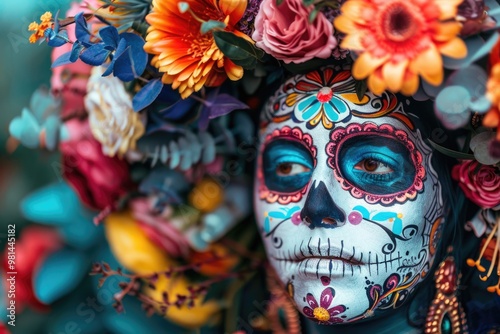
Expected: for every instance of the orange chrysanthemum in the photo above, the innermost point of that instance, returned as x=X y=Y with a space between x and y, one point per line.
x=398 y=40
x=187 y=58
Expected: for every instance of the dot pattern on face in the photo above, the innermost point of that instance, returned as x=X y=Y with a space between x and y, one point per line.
x=376 y=162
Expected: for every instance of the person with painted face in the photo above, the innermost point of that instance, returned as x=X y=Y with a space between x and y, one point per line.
x=355 y=209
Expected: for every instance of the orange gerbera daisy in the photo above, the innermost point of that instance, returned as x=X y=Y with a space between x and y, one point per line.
x=398 y=40
x=187 y=58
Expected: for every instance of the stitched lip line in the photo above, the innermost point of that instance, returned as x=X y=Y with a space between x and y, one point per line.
x=300 y=259
x=322 y=250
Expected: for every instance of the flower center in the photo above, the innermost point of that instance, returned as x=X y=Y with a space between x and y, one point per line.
x=325 y=94
x=398 y=23
x=321 y=314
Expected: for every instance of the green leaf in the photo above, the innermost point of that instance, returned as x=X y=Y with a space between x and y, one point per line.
x=239 y=50
x=279 y=2
x=307 y=2
x=313 y=14
x=451 y=153
x=361 y=88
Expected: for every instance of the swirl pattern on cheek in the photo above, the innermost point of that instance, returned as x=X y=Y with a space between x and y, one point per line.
x=386 y=132
x=292 y=134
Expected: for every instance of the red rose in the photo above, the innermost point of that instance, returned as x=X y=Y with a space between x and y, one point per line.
x=32 y=247
x=98 y=180
x=480 y=183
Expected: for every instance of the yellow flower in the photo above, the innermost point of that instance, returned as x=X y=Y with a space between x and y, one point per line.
x=398 y=40
x=46 y=17
x=39 y=29
x=187 y=58
x=132 y=248
x=138 y=254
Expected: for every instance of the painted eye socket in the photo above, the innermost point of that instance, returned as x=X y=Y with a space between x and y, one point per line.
x=287 y=166
x=373 y=166
x=376 y=164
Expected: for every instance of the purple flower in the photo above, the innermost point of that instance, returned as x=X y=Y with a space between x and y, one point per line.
x=323 y=313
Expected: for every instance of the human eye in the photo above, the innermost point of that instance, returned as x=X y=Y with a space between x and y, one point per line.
x=290 y=169
x=376 y=164
x=287 y=166
x=373 y=166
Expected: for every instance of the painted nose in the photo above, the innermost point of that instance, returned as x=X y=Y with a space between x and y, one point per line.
x=320 y=209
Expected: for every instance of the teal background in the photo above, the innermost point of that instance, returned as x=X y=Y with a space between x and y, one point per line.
x=23 y=68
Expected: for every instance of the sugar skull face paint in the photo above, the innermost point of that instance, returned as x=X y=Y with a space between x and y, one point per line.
x=347 y=201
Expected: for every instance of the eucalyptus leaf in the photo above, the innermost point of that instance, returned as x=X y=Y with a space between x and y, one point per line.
x=239 y=50
x=451 y=153
x=147 y=94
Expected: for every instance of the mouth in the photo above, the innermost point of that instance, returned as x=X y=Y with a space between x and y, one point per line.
x=323 y=249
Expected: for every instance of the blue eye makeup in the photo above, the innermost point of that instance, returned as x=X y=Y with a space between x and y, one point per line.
x=376 y=164
x=287 y=166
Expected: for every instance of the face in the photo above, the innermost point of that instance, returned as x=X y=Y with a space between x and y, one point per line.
x=347 y=201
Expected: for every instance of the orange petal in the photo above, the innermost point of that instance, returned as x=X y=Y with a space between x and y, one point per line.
x=233 y=71
x=393 y=74
x=448 y=8
x=366 y=64
x=430 y=65
x=344 y=24
x=410 y=83
x=446 y=31
x=492 y=118
x=234 y=8
x=352 y=42
x=456 y=48
x=353 y=10
x=376 y=85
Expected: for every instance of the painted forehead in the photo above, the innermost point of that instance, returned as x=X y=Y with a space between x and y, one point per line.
x=325 y=97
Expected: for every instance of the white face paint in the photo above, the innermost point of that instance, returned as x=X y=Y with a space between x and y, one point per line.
x=347 y=202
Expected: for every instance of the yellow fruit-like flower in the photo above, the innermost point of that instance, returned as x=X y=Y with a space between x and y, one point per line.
x=132 y=248
x=399 y=40
x=201 y=314
x=206 y=196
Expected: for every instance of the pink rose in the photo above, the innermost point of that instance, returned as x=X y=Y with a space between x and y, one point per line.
x=70 y=81
x=285 y=32
x=99 y=180
x=480 y=184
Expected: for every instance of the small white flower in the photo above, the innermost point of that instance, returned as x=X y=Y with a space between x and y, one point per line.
x=112 y=119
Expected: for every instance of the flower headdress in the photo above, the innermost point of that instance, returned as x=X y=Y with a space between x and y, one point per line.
x=148 y=107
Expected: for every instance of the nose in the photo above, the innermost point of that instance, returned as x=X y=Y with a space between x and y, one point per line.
x=320 y=210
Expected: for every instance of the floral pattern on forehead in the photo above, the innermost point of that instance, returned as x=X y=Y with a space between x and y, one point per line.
x=326 y=96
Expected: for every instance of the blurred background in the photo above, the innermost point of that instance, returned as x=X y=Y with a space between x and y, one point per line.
x=23 y=68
